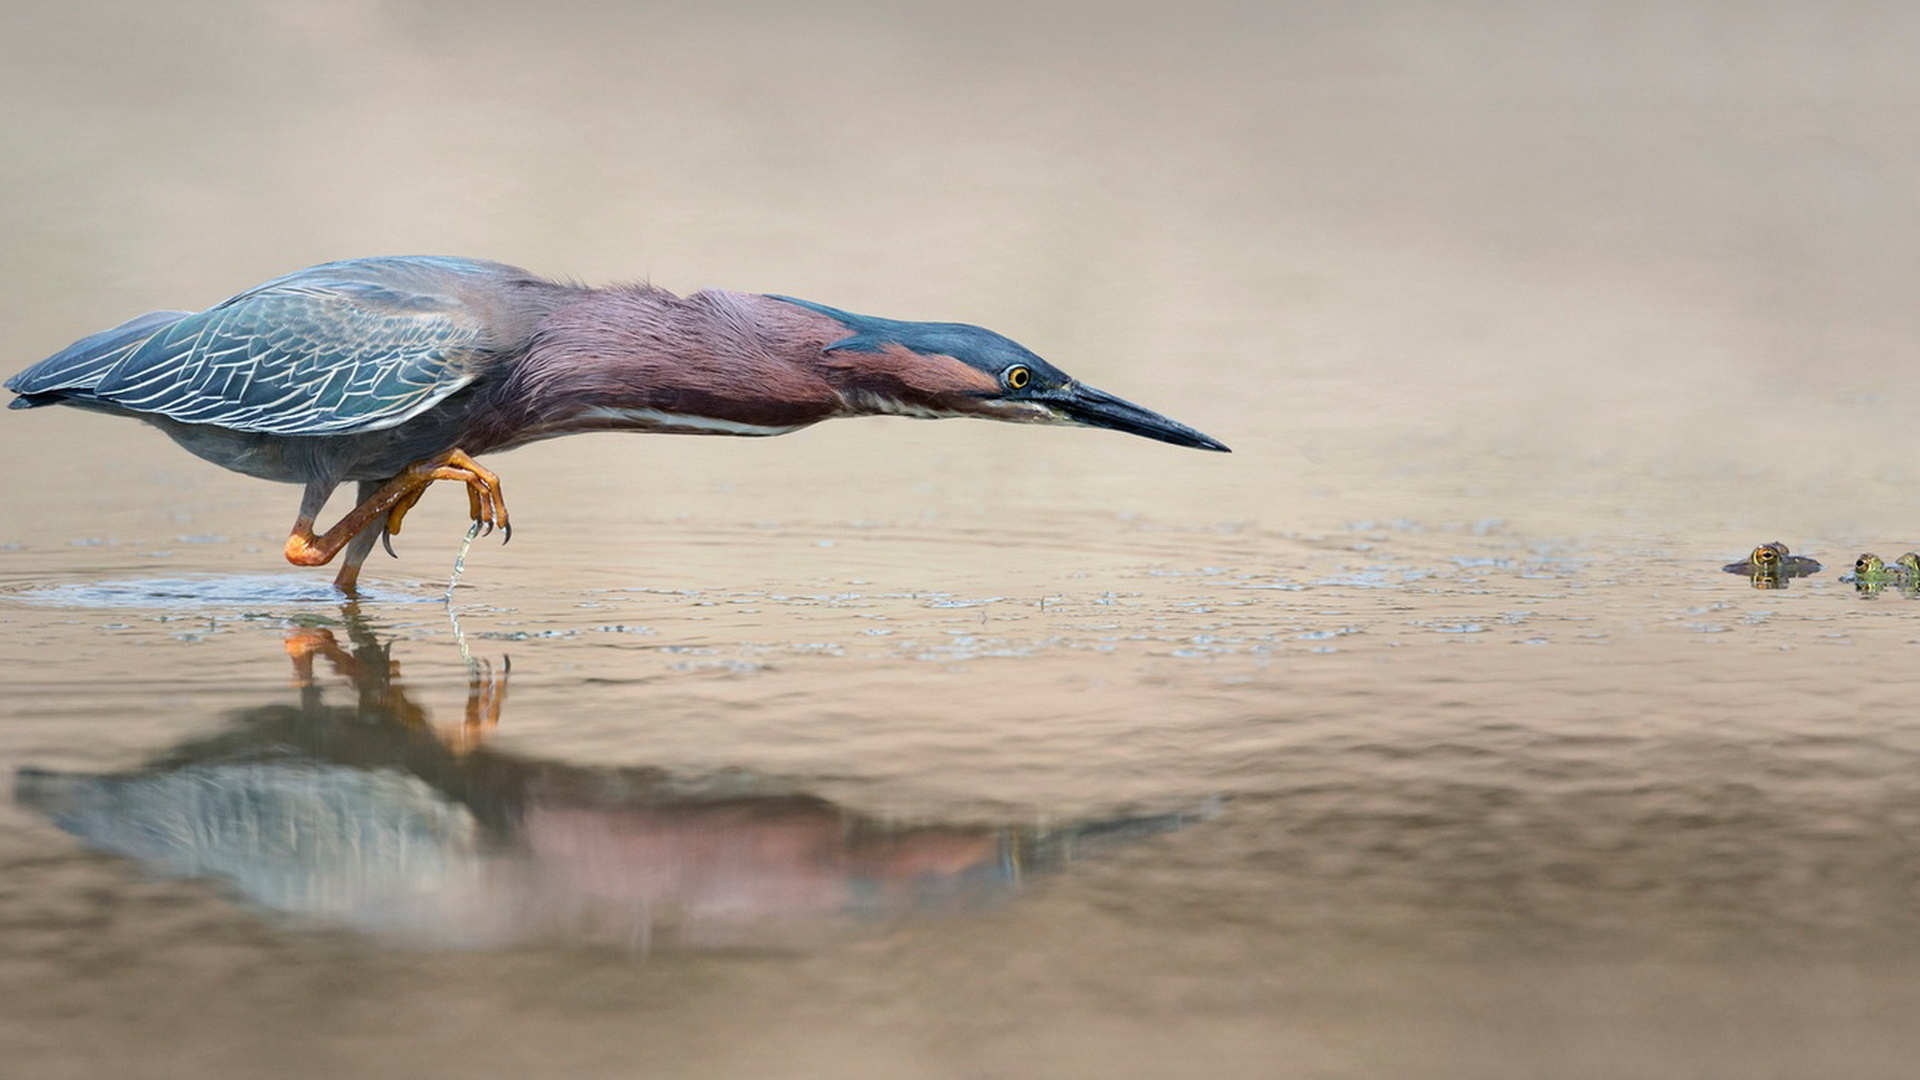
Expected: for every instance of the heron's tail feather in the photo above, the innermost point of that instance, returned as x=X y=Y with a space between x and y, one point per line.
x=81 y=365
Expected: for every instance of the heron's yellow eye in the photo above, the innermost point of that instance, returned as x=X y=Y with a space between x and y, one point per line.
x=1018 y=377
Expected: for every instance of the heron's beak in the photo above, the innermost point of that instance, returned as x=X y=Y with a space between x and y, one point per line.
x=1082 y=404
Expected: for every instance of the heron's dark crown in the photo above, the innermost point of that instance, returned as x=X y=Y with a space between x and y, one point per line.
x=975 y=346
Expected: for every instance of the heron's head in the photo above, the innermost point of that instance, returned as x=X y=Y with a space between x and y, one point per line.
x=953 y=369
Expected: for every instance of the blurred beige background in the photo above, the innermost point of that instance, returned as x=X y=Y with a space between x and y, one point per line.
x=1576 y=265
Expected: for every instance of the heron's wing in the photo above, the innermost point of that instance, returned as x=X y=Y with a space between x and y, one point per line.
x=332 y=350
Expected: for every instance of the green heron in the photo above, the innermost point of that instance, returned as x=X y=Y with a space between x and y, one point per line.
x=394 y=372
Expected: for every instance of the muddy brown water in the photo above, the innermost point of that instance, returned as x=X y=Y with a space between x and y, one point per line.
x=1421 y=737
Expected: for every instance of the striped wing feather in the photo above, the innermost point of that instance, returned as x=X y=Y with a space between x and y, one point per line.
x=295 y=359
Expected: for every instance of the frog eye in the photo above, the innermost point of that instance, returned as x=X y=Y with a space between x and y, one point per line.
x=1017 y=377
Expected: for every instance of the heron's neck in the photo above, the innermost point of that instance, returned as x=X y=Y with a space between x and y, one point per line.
x=642 y=359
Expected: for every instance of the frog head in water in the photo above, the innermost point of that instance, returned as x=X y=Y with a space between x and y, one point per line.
x=1771 y=565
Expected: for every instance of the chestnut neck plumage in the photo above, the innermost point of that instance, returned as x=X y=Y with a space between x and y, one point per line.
x=724 y=363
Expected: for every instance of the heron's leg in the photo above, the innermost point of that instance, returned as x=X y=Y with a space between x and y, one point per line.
x=305 y=548
x=302 y=544
x=348 y=579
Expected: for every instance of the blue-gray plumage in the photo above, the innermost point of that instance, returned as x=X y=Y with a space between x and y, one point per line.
x=335 y=349
x=393 y=371
x=975 y=346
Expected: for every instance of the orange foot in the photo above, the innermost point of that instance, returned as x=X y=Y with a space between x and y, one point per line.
x=486 y=503
x=484 y=499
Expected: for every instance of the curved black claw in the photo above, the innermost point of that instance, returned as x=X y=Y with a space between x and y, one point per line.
x=506 y=534
x=386 y=541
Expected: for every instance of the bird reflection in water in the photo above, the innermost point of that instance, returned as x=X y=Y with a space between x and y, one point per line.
x=369 y=816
